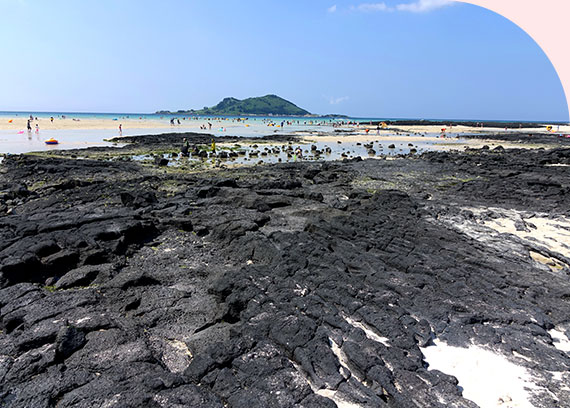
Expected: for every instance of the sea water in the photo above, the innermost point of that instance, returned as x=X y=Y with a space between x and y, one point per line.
x=14 y=142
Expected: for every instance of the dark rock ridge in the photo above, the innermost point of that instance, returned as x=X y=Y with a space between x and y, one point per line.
x=124 y=285
x=195 y=138
x=523 y=137
x=472 y=123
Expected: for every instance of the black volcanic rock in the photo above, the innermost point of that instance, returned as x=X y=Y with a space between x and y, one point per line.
x=258 y=287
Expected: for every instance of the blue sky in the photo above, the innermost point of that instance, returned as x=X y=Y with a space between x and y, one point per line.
x=397 y=58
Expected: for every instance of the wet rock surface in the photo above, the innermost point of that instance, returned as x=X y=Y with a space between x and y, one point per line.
x=274 y=286
x=169 y=139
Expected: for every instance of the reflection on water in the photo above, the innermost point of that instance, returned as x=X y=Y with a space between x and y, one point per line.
x=68 y=139
x=14 y=142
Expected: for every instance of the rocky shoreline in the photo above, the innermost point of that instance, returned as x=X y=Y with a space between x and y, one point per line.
x=308 y=284
x=550 y=139
x=486 y=124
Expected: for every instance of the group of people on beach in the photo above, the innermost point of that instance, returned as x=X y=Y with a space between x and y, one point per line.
x=176 y=121
x=29 y=125
x=37 y=125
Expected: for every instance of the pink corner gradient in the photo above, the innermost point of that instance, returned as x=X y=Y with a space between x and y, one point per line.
x=546 y=21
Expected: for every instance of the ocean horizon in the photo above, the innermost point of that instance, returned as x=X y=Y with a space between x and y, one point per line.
x=155 y=116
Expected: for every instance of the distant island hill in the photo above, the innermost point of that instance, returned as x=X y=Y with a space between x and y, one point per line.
x=268 y=105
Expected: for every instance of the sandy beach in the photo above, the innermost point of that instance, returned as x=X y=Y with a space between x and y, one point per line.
x=19 y=123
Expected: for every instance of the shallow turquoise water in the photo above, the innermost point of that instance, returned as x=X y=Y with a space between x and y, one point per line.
x=13 y=142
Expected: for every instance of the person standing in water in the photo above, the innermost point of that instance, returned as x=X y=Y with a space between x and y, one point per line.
x=29 y=126
x=37 y=128
x=184 y=151
x=120 y=128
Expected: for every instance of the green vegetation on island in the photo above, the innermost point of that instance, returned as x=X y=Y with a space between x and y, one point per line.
x=263 y=105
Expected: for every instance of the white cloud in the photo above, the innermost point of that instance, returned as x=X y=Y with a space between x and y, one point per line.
x=332 y=9
x=366 y=7
x=423 y=6
x=418 y=6
x=336 y=101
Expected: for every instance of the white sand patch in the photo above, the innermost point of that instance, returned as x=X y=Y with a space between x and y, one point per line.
x=345 y=371
x=519 y=355
x=334 y=396
x=553 y=234
x=343 y=361
x=488 y=379
x=550 y=233
x=563 y=378
x=300 y=291
x=114 y=401
x=176 y=355
x=368 y=331
x=557 y=375
x=552 y=263
x=561 y=341
x=181 y=347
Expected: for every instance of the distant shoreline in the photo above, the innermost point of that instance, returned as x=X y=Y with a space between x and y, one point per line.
x=364 y=120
